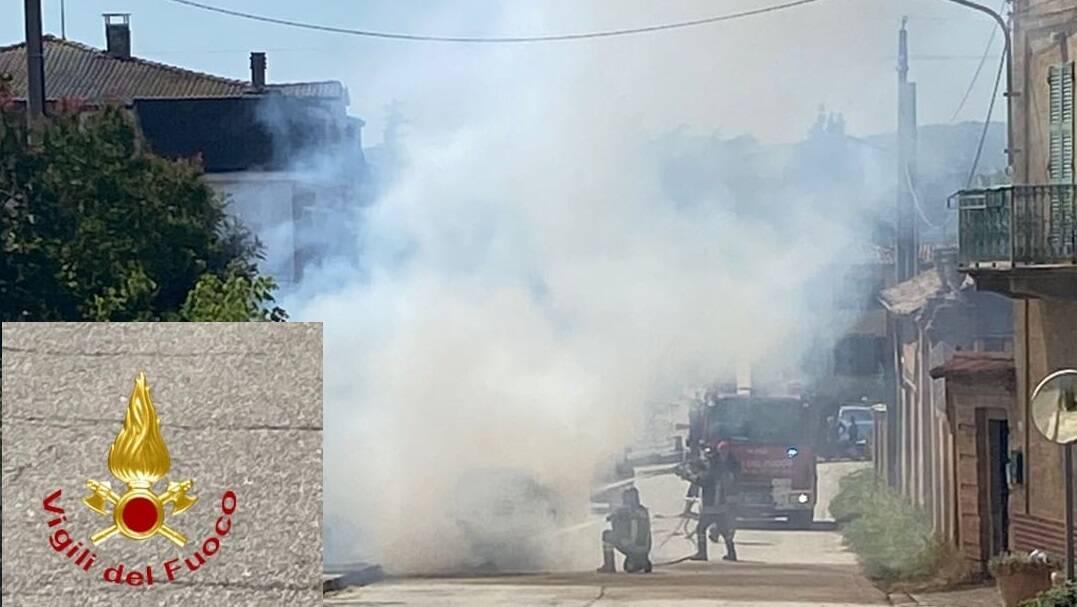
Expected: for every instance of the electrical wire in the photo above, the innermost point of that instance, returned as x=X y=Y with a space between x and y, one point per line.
x=916 y=203
x=979 y=67
x=987 y=120
x=504 y=39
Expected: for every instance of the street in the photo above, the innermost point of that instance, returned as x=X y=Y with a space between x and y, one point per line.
x=777 y=568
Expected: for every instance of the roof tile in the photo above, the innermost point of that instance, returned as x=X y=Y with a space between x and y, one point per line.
x=78 y=71
x=970 y=364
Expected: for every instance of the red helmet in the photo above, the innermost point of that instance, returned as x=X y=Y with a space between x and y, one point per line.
x=722 y=446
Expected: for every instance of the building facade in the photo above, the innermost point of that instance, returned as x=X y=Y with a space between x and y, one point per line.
x=934 y=316
x=1019 y=240
x=979 y=397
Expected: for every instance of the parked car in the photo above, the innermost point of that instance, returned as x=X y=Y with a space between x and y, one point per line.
x=859 y=429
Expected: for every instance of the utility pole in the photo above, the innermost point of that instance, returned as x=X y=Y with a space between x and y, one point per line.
x=906 y=250
x=35 y=62
x=907 y=243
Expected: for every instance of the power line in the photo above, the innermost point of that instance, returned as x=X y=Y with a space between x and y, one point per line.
x=916 y=203
x=1006 y=63
x=505 y=39
x=342 y=49
x=987 y=121
x=979 y=67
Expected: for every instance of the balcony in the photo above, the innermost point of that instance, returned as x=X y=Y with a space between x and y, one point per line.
x=1020 y=240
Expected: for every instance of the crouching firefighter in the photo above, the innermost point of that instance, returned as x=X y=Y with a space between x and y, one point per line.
x=717 y=510
x=629 y=534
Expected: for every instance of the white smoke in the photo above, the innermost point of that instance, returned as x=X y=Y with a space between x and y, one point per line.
x=526 y=285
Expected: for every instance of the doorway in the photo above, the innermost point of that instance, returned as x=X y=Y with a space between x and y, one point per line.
x=997 y=521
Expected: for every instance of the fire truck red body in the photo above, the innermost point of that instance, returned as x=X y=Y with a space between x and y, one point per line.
x=773 y=438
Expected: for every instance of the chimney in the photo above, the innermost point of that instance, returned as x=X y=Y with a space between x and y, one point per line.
x=258 y=71
x=118 y=35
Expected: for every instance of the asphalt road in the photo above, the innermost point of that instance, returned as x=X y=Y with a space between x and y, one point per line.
x=778 y=568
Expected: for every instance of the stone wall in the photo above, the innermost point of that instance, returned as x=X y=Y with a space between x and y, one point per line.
x=1050 y=345
x=240 y=408
x=972 y=403
x=1045 y=330
x=1045 y=34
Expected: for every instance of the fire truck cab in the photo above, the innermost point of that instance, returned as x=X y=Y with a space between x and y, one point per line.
x=773 y=439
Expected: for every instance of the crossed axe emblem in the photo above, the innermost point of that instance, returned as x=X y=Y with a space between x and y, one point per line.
x=139 y=512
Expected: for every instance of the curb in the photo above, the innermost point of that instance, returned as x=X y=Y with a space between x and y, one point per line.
x=359 y=574
x=901 y=598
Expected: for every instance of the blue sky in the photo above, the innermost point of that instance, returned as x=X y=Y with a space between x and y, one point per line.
x=731 y=77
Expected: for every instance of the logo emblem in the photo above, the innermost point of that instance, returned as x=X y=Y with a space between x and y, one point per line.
x=139 y=458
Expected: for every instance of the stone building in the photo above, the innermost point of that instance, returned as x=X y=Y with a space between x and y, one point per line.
x=1019 y=240
x=979 y=395
x=933 y=316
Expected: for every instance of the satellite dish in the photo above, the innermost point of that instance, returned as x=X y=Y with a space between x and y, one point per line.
x=1054 y=406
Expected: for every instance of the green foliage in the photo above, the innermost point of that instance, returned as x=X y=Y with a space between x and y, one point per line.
x=94 y=227
x=1059 y=596
x=894 y=540
x=854 y=495
x=237 y=298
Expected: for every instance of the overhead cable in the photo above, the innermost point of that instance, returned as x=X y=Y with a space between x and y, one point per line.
x=979 y=67
x=987 y=123
x=496 y=39
x=916 y=203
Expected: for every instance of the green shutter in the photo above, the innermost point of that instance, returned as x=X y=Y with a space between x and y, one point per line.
x=1060 y=163
x=1060 y=169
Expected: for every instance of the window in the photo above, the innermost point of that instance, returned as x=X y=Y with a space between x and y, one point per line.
x=1060 y=116
x=859 y=355
x=996 y=344
x=304 y=220
x=1060 y=157
x=757 y=420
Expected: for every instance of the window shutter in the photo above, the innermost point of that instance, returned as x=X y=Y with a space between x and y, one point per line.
x=1060 y=169
x=1060 y=82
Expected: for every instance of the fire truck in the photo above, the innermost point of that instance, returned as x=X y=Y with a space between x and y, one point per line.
x=773 y=437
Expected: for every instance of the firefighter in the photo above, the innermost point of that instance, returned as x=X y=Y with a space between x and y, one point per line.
x=692 y=471
x=853 y=432
x=835 y=436
x=629 y=534
x=716 y=511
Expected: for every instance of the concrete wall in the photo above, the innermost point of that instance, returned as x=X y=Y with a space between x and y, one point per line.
x=942 y=461
x=920 y=423
x=240 y=406
x=265 y=207
x=296 y=216
x=926 y=450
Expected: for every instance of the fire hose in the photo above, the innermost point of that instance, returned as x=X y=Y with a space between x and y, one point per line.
x=682 y=530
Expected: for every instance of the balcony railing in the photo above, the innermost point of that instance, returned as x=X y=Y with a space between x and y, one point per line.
x=1017 y=225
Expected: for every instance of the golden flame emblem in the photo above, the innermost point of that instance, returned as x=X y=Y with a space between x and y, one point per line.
x=139 y=458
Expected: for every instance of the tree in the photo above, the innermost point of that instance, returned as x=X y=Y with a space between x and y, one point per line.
x=96 y=227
